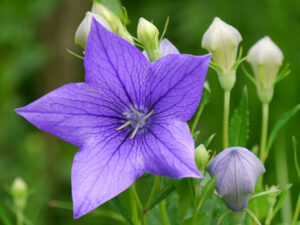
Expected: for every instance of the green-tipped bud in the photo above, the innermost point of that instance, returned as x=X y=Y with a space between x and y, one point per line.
x=265 y=58
x=222 y=41
x=113 y=20
x=19 y=192
x=148 y=36
x=201 y=157
x=84 y=28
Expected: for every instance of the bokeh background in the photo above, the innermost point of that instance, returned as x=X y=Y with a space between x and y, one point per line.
x=34 y=35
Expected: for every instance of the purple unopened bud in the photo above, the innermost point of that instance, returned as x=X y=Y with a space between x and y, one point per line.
x=238 y=170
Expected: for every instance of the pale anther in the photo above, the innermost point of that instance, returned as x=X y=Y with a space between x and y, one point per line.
x=124 y=125
x=134 y=110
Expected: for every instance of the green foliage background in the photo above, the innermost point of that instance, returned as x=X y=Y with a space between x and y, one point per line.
x=33 y=61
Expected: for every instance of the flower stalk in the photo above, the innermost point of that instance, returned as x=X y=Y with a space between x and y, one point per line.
x=226 y=118
x=222 y=41
x=264 y=132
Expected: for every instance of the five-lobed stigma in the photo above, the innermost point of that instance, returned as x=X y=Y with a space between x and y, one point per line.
x=136 y=119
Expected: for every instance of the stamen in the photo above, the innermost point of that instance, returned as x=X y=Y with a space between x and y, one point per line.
x=125 y=113
x=147 y=116
x=134 y=110
x=125 y=125
x=135 y=131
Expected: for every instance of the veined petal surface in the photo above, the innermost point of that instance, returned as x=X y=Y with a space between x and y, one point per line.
x=73 y=112
x=168 y=149
x=115 y=66
x=175 y=86
x=103 y=168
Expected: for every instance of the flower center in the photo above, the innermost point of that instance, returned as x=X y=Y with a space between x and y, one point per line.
x=136 y=119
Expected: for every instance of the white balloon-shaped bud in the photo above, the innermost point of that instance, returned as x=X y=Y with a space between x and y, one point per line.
x=222 y=40
x=83 y=30
x=265 y=58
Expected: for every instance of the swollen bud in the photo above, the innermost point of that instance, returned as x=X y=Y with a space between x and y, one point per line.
x=113 y=20
x=84 y=28
x=238 y=171
x=265 y=58
x=147 y=35
x=201 y=157
x=222 y=41
x=19 y=192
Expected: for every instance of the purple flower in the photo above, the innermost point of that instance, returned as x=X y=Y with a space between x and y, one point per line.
x=128 y=117
x=239 y=169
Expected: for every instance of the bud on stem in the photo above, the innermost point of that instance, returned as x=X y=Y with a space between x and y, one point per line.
x=148 y=36
x=265 y=58
x=113 y=20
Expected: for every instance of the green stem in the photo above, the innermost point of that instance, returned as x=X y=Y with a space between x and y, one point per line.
x=238 y=217
x=297 y=211
x=139 y=204
x=226 y=118
x=162 y=206
x=19 y=218
x=133 y=205
x=282 y=175
x=163 y=213
x=198 y=114
x=264 y=132
x=154 y=188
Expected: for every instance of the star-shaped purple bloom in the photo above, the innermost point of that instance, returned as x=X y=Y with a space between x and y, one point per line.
x=128 y=117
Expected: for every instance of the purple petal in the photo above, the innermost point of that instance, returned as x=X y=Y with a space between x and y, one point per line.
x=167 y=48
x=239 y=170
x=102 y=169
x=115 y=66
x=73 y=112
x=175 y=85
x=168 y=150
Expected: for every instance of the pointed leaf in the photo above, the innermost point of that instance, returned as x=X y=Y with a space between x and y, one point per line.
x=116 y=203
x=280 y=123
x=295 y=144
x=206 y=192
x=185 y=191
x=164 y=192
x=239 y=124
x=208 y=141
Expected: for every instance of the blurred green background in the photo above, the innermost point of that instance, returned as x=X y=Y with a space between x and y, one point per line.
x=34 y=35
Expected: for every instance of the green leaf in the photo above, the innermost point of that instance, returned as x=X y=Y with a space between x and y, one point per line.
x=116 y=203
x=280 y=123
x=209 y=139
x=163 y=193
x=185 y=191
x=239 y=124
x=206 y=192
x=281 y=199
x=296 y=156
